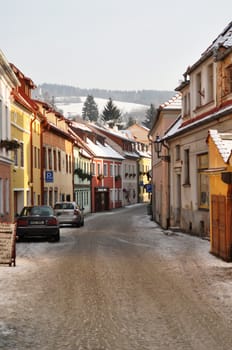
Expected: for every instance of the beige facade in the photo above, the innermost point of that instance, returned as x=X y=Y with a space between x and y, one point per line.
x=161 y=170
x=206 y=104
x=8 y=81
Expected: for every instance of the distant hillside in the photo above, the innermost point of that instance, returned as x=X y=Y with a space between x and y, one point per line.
x=72 y=94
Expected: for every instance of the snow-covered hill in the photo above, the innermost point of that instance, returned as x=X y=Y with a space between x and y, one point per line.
x=70 y=109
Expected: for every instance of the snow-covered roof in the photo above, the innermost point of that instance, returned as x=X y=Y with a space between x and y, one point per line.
x=119 y=133
x=224 y=39
x=103 y=151
x=81 y=126
x=223 y=142
x=174 y=103
x=198 y=122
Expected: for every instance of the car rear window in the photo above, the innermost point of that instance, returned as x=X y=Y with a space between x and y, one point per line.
x=64 y=206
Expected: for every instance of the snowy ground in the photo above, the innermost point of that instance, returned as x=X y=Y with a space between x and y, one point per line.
x=73 y=109
x=118 y=283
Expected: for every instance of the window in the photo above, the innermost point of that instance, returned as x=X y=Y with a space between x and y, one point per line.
x=16 y=157
x=186 y=104
x=44 y=158
x=198 y=90
x=1 y=121
x=70 y=164
x=186 y=167
x=21 y=155
x=210 y=85
x=59 y=161
x=98 y=169
x=111 y=169
x=119 y=169
x=1 y=196
x=203 y=181
x=229 y=79
x=177 y=149
x=7 y=198
x=93 y=168
x=38 y=152
x=35 y=157
x=54 y=159
x=49 y=159
x=105 y=170
x=66 y=163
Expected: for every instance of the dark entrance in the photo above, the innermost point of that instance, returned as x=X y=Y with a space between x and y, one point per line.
x=101 y=199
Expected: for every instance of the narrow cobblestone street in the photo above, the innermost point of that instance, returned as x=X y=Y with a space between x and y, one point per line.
x=118 y=283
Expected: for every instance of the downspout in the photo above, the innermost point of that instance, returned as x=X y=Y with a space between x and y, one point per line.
x=169 y=178
x=42 y=130
x=31 y=159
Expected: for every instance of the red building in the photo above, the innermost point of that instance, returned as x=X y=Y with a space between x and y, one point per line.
x=106 y=169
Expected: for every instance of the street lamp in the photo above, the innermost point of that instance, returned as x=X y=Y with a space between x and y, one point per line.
x=158 y=148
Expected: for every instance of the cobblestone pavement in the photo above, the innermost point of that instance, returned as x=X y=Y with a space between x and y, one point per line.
x=118 y=283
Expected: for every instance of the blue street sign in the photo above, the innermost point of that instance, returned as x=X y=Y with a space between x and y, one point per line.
x=149 y=188
x=48 y=176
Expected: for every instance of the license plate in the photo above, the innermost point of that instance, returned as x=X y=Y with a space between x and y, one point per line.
x=38 y=222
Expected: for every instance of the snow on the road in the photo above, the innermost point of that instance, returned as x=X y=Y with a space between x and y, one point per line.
x=169 y=243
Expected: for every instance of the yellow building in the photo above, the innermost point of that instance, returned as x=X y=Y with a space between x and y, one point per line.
x=220 y=183
x=25 y=128
x=143 y=148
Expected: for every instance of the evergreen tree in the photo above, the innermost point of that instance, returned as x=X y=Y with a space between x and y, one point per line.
x=150 y=116
x=111 y=114
x=131 y=121
x=90 y=109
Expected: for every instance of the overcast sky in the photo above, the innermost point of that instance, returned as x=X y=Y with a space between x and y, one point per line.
x=109 y=44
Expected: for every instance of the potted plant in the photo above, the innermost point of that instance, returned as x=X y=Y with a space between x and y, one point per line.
x=9 y=145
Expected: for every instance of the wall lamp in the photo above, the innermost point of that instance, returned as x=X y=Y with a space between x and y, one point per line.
x=158 y=148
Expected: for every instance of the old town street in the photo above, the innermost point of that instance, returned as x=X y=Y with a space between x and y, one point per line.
x=118 y=283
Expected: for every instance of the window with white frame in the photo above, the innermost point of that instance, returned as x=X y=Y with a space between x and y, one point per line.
x=105 y=169
x=203 y=181
x=111 y=170
x=98 y=168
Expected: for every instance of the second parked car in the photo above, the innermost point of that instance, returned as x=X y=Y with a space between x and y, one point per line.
x=69 y=213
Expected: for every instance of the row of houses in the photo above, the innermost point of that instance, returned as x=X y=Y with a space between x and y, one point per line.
x=191 y=150
x=45 y=157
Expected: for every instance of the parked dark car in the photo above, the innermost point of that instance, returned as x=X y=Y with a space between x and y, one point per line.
x=69 y=213
x=38 y=221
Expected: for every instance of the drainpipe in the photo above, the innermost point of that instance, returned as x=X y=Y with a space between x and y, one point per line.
x=169 y=176
x=31 y=159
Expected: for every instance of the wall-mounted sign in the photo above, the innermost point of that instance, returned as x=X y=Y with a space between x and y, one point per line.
x=49 y=176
